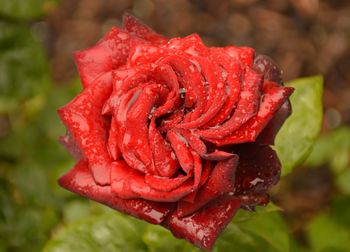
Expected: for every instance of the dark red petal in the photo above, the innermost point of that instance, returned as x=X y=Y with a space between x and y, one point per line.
x=126 y=101
x=181 y=149
x=247 y=107
x=112 y=144
x=166 y=75
x=71 y=145
x=191 y=81
x=272 y=101
x=203 y=227
x=217 y=155
x=136 y=27
x=127 y=79
x=242 y=54
x=232 y=74
x=206 y=170
x=192 y=45
x=141 y=54
x=221 y=181
x=268 y=68
x=215 y=96
x=110 y=53
x=194 y=141
x=82 y=116
x=135 y=147
x=197 y=169
x=128 y=183
x=164 y=158
x=258 y=170
x=267 y=136
x=166 y=184
x=80 y=181
x=171 y=121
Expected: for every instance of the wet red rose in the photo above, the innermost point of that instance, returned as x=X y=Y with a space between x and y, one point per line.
x=174 y=132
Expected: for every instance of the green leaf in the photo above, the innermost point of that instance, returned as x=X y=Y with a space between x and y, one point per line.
x=332 y=149
x=269 y=227
x=327 y=235
x=342 y=181
x=295 y=139
x=28 y=9
x=340 y=209
x=111 y=232
x=265 y=231
x=159 y=239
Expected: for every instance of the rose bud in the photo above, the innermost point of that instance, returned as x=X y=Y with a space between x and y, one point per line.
x=174 y=132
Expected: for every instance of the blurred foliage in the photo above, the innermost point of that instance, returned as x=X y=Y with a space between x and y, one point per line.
x=34 y=209
x=23 y=68
x=295 y=139
x=30 y=157
x=263 y=230
x=25 y=10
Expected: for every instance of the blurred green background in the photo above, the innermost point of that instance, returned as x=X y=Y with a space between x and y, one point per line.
x=37 y=75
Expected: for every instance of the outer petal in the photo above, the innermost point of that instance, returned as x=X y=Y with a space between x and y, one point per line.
x=267 y=67
x=80 y=181
x=71 y=145
x=204 y=226
x=271 y=72
x=82 y=116
x=110 y=53
x=221 y=181
x=136 y=27
x=128 y=183
x=273 y=99
x=247 y=107
x=267 y=136
x=258 y=169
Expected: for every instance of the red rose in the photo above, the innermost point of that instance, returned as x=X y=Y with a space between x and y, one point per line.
x=172 y=131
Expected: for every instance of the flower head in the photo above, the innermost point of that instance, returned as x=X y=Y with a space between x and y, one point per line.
x=174 y=132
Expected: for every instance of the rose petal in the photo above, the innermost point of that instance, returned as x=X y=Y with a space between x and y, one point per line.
x=109 y=53
x=136 y=27
x=80 y=181
x=112 y=144
x=181 y=149
x=171 y=121
x=164 y=158
x=135 y=147
x=127 y=79
x=203 y=227
x=128 y=183
x=71 y=145
x=243 y=54
x=268 y=68
x=82 y=116
x=258 y=170
x=247 y=107
x=165 y=74
x=166 y=184
x=191 y=81
x=232 y=75
x=206 y=171
x=221 y=181
x=272 y=101
x=267 y=136
x=126 y=101
x=215 y=96
x=191 y=45
x=217 y=155
x=194 y=141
